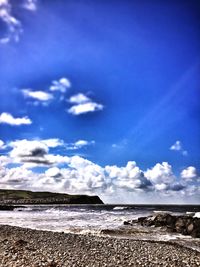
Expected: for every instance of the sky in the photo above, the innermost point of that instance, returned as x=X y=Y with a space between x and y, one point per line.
x=102 y=98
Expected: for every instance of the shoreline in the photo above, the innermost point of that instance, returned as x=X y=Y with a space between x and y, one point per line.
x=26 y=247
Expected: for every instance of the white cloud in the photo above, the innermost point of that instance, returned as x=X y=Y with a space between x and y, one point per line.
x=24 y=148
x=18 y=177
x=13 y=25
x=129 y=177
x=52 y=142
x=77 y=175
x=83 y=176
x=30 y=5
x=38 y=95
x=1 y=144
x=85 y=108
x=35 y=153
x=79 y=144
x=53 y=172
x=79 y=99
x=161 y=187
x=83 y=104
x=7 y=118
x=4 y=160
x=177 y=146
x=189 y=173
x=160 y=174
x=61 y=85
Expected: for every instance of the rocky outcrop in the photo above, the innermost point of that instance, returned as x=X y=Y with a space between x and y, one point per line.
x=185 y=224
x=22 y=197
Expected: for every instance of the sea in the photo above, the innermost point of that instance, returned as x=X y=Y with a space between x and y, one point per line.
x=98 y=220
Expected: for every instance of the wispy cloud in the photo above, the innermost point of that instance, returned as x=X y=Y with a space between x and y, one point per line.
x=30 y=5
x=7 y=118
x=79 y=99
x=13 y=24
x=60 y=85
x=79 y=144
x=178 y=146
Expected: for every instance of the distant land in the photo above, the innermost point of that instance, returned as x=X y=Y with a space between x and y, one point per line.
x=24 y=197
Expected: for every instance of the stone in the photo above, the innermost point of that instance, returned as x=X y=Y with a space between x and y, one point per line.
x=185 y=224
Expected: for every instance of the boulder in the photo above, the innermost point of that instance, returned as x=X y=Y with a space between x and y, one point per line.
x=181 y=225
x=185 y=224
x=164 y=219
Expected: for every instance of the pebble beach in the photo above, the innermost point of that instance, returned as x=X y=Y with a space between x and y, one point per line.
x=21 y=247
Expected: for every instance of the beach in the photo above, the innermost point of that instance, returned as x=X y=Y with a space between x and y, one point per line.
x=22 y=247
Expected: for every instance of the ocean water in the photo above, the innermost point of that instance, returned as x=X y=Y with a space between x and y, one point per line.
x=95 y=219
x=71 y=218
x=83 y=218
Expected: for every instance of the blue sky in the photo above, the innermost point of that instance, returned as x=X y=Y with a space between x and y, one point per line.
x=113 y=82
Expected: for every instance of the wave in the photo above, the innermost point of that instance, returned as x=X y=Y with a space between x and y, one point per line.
x=23 y=209
x=162 y=211
x=120 y=208
x=197 y=215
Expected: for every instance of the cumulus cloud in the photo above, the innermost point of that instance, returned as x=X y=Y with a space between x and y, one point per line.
x=36 y=152
x=4 y=160
x=84 y=176
x=177 y=146
x=79 y=175
x=189 y=173
x=13 y=24
x=37 y=95
x=17 y=177
x=60 y=85
x=7 y=118
x=53 y=172
x=129 y=177
x=24 y=148
x=160 y=174
x=85 y=108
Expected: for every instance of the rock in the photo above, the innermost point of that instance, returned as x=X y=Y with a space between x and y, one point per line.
x=141 y=219
x=20 y=243
x=164 y=219
x=128 y=223
x=195 y=233
x=190 y=228
x=148 y=221
x=185 y=224
x=131 y=222
x=182 y=224
x=52 y=264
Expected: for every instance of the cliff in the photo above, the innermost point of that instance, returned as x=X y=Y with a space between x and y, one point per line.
x=22 y=197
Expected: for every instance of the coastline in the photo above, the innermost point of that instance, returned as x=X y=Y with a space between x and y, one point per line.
x=22 y=247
